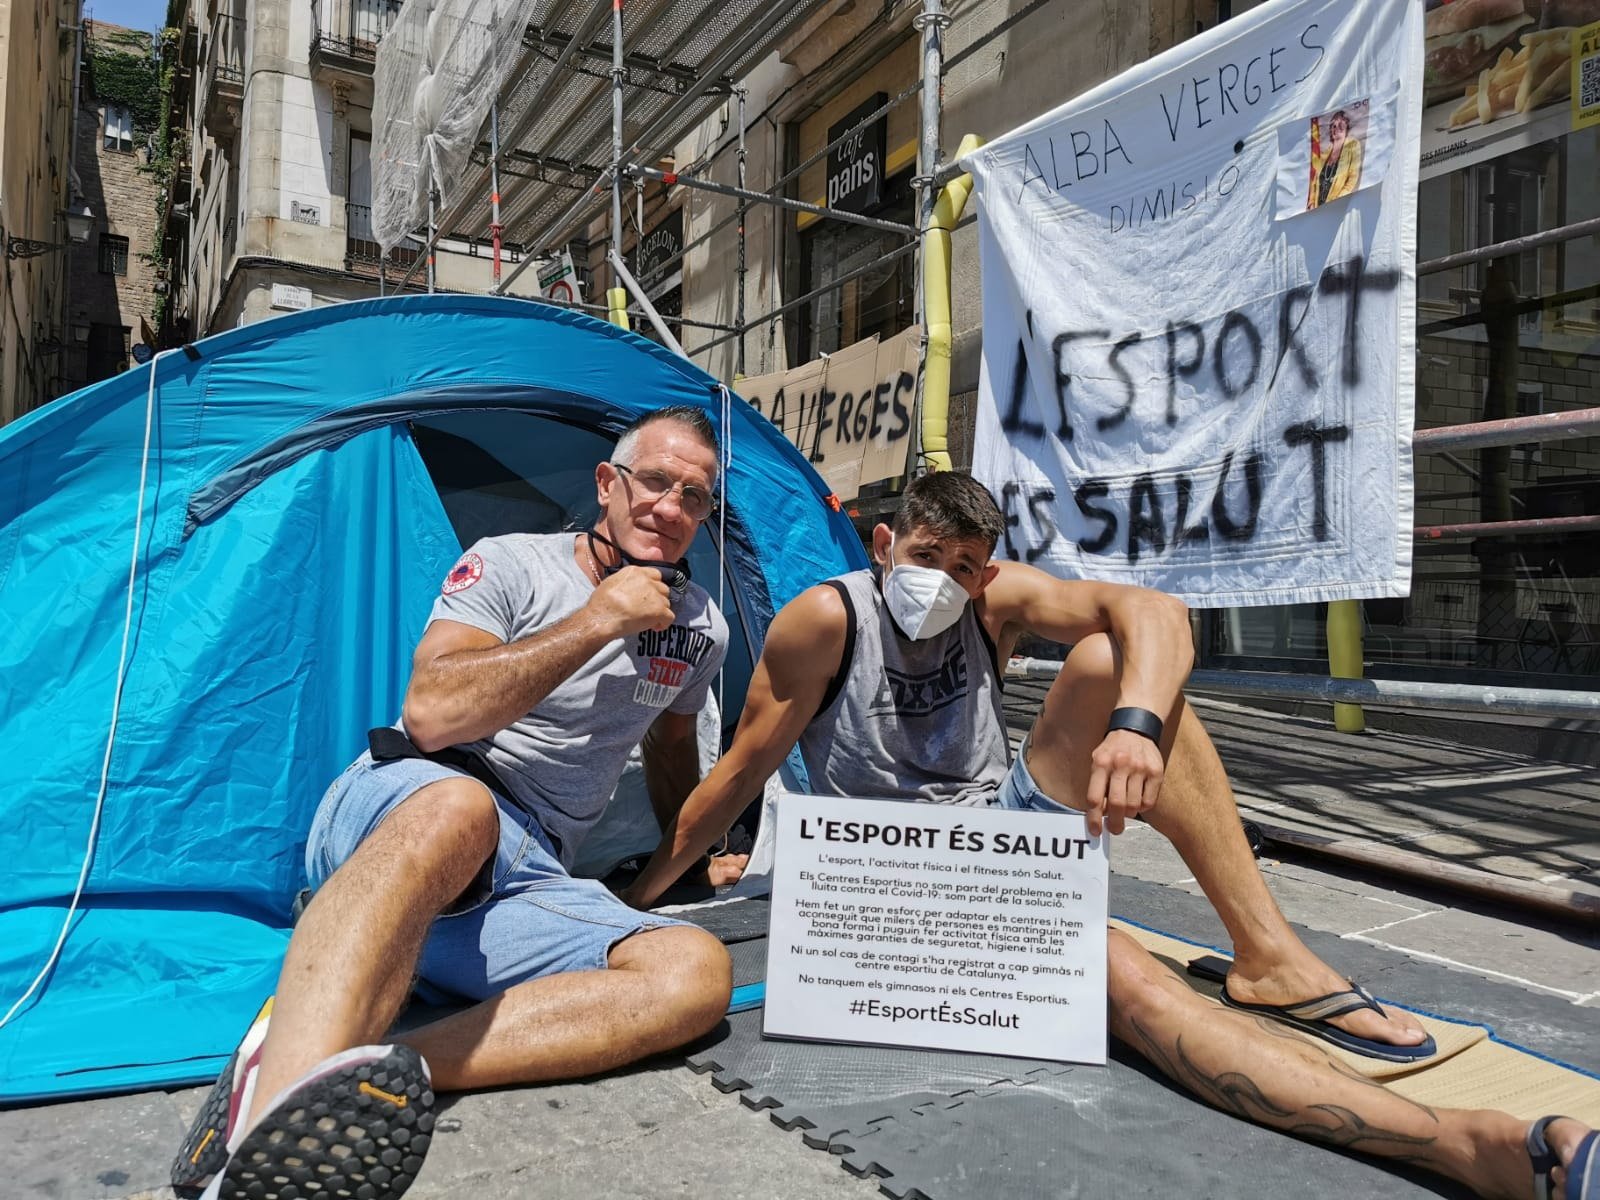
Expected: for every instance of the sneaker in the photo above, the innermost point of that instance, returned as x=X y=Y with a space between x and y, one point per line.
x=205 y=1150
x=357 y=1124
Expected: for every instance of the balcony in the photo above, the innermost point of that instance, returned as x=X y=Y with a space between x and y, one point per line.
x=222 y=79
x=363 y=255
x=345 y=34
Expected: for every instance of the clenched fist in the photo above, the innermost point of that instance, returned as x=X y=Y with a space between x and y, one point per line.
x=632 y=600
x=1125 y=777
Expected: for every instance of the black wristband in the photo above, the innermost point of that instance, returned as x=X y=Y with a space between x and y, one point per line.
x=1136 y=720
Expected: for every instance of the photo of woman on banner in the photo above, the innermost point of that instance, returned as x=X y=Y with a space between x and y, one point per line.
x=1337 y=139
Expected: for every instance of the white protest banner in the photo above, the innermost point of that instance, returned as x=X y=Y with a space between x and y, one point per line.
x=850 y=413
x=979 y=929
x=1199 y=286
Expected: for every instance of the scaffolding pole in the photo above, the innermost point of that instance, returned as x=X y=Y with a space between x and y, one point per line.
x=672 y=178
x=775 y=313
x=738 y=315
x=494 y=184
x=617 y=296
x=433 y=207
x=630 y=284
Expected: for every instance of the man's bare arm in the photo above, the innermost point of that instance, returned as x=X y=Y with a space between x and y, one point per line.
x=467 y=684
x=1151 y=629
x=802 y=652
x=671 y=756
x=1152 y=641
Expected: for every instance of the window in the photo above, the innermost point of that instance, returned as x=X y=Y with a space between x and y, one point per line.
x=119 y=129
x=878 y=296
x=113 y=254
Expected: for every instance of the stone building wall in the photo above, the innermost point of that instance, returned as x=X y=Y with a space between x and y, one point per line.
x=123 y=196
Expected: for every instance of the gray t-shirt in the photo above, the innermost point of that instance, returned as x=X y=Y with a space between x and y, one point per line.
x=912 y=720
x=562 y=760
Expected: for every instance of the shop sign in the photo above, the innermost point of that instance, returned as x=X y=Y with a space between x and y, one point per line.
x=1498 y=80
x=855 y=166
x=1585 y=81
x=558 y=279
x=1199 y=303
x=850 y=413
x=662 y=243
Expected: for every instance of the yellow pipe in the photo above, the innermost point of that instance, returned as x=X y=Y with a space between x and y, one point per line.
x=1344 y=659
x=947 y=212
x=617 y=299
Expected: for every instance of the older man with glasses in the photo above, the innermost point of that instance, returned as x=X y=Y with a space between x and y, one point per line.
x=442 y=853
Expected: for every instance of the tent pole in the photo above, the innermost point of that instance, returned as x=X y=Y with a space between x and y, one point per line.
x=494 y=185
x=738 y=316
x=931 y=21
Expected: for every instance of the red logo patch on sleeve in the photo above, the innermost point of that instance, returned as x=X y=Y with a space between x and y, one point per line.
x=463 y=575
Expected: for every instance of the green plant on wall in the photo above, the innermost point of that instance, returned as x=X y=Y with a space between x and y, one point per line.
x=170 y=147
x=120 y=68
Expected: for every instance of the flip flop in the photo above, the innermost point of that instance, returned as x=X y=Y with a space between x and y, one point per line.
x=1583 y=1172
x=1313 y=1016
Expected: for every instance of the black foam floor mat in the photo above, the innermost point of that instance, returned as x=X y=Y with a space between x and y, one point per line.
x=934 y=1125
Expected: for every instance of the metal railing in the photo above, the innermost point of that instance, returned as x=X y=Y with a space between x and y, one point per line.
x=351 y=28
x=362 y=253
x=225 y=52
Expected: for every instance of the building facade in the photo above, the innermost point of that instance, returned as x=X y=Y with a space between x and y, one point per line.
x=114 y=284
x=39 y=40
x=1512 y=336
x=270 y=207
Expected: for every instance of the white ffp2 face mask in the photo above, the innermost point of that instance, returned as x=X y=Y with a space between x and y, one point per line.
x=923 y=601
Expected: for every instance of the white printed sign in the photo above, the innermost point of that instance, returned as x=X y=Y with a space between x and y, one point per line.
x=978 y=929
x=1199 y=289
x=295 y=299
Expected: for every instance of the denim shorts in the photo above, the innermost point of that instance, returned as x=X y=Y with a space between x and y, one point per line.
x=523 y=918
x=1018 y=790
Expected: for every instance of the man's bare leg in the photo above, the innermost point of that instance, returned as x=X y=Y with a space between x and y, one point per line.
x=1197 y=814
x=663 y=988
x=350 y=963
x=1264 y=1072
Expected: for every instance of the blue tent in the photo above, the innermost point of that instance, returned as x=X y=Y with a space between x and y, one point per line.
x=309 y=481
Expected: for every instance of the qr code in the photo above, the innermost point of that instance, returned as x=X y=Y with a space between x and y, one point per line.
x=1589 y=82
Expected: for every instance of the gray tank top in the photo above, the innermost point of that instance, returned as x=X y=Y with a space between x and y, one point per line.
x=912 y=720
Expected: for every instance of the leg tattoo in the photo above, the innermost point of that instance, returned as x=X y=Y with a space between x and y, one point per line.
x=1237 y=1093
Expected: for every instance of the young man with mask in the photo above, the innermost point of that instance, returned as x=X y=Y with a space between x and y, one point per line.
x=889 y=680
x=443 y=852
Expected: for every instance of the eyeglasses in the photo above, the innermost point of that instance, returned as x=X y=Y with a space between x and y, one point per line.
x=695 y=502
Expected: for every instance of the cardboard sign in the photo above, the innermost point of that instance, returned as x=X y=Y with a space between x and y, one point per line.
x=938 y=926
x=850 y=414
x=1199 y=336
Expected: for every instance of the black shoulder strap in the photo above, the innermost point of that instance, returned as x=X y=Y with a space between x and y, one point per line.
x=994 y=651
x=836 y=684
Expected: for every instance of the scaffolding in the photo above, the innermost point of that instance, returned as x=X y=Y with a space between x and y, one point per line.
x=578 y=109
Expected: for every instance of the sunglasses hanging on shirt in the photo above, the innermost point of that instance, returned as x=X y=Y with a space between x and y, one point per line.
x=674 y=574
